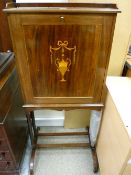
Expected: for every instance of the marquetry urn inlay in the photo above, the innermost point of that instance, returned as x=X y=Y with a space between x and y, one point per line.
x=62 y=62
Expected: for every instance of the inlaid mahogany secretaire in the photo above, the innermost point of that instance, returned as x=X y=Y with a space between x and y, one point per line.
x=62 y=52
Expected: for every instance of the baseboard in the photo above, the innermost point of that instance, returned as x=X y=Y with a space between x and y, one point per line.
x=49 y=118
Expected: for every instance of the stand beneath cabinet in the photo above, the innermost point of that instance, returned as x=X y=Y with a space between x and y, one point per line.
x=62 y=54
x=34 y=134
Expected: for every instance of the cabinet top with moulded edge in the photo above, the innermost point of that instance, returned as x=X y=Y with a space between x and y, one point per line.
x=62 y=6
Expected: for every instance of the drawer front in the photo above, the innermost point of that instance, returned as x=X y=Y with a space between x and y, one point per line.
x=3 y=145
x=3 y=141
x=1 y=133
x=7 y=93
x=5 y=156
x=64 y=57
x=6 y=165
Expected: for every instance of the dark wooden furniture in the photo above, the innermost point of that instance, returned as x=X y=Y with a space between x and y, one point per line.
x=13 y=127
x=62 y=52
x=5 y=40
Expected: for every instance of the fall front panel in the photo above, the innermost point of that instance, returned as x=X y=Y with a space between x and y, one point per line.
x=62 y=59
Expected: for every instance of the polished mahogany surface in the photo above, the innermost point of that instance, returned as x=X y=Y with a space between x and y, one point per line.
x=82 y=34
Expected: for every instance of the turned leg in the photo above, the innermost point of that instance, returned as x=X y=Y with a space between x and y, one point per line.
x=33 y=122
x=32 y=133
x=95 y=160
x=94 y=156
x=30 y=129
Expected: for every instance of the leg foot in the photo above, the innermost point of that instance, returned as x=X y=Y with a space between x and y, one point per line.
x=32 y=161
x=33 y=137
x=94 y=156
x=95 y=160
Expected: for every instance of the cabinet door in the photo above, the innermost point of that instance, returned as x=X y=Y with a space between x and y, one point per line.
x=62 y=58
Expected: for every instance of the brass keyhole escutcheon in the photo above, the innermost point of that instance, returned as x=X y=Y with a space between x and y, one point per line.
x=62 y=18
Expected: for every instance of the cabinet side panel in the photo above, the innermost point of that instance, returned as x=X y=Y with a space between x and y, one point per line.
x=20 y=54
x=113 y=142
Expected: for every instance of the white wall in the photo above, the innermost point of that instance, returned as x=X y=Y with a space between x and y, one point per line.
x=121 y=38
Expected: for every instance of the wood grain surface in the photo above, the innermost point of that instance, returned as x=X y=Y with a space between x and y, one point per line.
x=32 y=36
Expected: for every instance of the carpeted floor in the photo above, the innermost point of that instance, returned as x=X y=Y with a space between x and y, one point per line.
x=69 y=161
